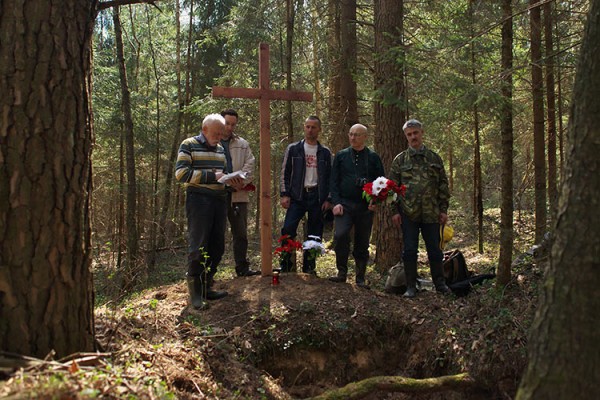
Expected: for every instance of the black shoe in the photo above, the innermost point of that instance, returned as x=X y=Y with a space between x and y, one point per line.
x=338 y=279
x=443 y=288
x=311 y=272
x=363 y=285
x=215 y=294
x=249 y=272
x=410 y=292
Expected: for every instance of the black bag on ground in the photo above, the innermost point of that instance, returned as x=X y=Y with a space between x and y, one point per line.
x=458 y=277
x=455 y=267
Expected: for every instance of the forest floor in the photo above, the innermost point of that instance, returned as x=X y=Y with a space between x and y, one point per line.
x=295 y=340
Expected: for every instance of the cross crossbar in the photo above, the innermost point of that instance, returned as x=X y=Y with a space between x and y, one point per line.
x=264 y=94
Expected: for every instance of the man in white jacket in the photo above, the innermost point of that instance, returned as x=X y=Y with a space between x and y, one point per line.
x=239 y=158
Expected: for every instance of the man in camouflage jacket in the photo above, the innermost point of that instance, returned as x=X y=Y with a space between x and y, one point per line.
x=424 y=206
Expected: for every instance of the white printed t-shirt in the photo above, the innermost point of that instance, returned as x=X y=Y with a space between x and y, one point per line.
x=310 y=177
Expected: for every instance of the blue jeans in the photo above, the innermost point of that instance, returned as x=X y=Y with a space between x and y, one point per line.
x=357 y=215
x=309 y=204
x=431 y=235
x=206 y=215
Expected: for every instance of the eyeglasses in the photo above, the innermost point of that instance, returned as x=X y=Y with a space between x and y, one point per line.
x=352 y=134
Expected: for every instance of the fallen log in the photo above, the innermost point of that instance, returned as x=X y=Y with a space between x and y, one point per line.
x=360 y=389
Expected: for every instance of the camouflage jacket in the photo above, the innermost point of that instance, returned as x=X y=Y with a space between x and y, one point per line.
x=427 y=193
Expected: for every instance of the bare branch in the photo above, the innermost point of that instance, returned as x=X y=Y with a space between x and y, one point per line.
x=114 y=3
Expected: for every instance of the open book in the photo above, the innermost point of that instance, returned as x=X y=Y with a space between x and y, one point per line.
x=236 y=174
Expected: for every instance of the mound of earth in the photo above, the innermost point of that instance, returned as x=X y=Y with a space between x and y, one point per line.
x=308 y=335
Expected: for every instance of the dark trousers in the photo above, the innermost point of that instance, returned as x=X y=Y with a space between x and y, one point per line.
x=237 y=214
x=309 y=204
x=357 y=216
x=431 y=235
x=206 y=232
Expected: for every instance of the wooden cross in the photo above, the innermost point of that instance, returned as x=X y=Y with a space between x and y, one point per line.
x=264 y=95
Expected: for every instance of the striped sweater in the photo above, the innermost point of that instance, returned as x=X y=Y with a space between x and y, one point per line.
x=197 y=164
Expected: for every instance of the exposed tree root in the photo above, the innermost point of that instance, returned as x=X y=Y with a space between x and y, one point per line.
x=360 y=389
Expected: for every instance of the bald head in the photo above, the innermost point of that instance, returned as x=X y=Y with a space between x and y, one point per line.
x=358 y=136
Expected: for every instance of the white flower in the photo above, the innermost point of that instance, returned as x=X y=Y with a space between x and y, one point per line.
x=379 y=184
x=391 y=198
x=314 y=245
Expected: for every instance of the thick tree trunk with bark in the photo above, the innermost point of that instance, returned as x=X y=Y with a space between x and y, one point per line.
x=337 y=141
x=506 y=122
x=345 y=113
x=390 y=114
x=348 y=61
x=539 y=146
x=46 y=294
x=564 y=354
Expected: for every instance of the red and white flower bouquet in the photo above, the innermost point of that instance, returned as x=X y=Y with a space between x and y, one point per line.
x=382 y=190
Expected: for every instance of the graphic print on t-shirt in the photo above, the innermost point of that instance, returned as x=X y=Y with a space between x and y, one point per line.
x=311 y=161
x=310 y=154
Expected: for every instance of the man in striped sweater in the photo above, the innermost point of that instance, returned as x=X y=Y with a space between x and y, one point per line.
x=200 y=164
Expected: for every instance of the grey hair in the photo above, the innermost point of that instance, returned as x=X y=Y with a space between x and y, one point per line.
x=212 y=119
x=412 y=123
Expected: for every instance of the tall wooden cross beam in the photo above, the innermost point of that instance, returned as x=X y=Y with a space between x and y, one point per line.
x=264 y=95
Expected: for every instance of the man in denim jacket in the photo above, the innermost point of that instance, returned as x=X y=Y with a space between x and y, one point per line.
x=304 y=188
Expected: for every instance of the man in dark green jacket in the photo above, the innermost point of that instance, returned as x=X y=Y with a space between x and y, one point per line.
x=424 y=206
x=352 y=168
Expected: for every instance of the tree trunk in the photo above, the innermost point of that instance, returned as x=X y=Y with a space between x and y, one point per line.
x=539 y=154
x=121 y=217
x=450 y=158
x=390 y=106
x=156 y=176
x=289 y=45
x=551 y=111
x=316 y=61
x=564 y=352
x=130 y=271
x=478 y=185
x=346 y=113
x=336 y=140
x=560 y=108
x=46 y=293
x=348 y=61
x=506 y=122
x=168 y=170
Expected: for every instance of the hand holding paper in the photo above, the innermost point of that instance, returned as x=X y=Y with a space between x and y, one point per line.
x=236 y=174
